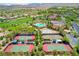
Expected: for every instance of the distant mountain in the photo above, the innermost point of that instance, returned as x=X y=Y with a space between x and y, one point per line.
x=52 y=4
x=38 y=5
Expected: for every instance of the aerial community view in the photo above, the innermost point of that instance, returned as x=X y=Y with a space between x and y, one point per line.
x=39 y=30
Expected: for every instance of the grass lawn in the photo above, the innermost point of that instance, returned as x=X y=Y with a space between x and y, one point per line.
x=13 y=24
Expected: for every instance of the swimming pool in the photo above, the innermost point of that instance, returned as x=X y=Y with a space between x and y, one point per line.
x=40 y=25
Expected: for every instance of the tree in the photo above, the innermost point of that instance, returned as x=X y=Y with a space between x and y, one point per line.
x=66 y=39
x=74 y=53
x=65 y=54
x=1 y=53
x=1 y=38
x=30 y=29
x=75 y=34
x=61 y=30
x=3 y=43
x=0 y=46
x=77 y=47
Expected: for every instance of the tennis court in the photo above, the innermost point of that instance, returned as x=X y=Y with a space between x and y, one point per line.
x=19 y=48
x=25 y=37
x=56 y=47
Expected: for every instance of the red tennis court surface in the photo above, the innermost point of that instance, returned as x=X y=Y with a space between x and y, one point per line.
x=56 y=47
x=19 y=48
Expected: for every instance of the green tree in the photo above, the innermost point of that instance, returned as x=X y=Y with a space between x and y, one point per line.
x=74 y=53
x=66 y=39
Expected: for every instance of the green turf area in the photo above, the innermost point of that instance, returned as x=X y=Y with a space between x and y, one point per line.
x=16 y=24
x=57 y=48
x=20 y=49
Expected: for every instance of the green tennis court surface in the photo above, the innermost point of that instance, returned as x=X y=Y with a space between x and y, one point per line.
x=23 y=38
x=20 y=48
x=57 y=48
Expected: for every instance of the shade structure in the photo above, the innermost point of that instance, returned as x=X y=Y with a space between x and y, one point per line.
x=14 y=41
x=57 y=40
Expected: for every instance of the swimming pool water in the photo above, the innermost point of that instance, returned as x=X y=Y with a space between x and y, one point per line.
x=39 y=25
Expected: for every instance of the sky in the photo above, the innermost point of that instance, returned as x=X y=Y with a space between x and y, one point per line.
x=38 y=1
